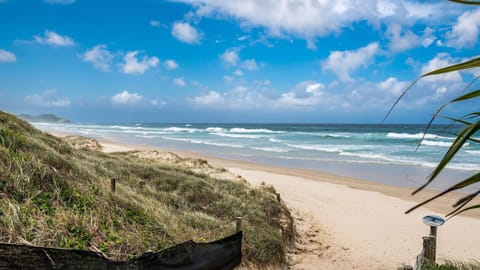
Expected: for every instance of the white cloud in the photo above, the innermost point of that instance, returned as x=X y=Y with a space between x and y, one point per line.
x=238 y=72
x=179 y=82
x=126 y=98
x=6 y=56
x=306 y=95
x=186 y=33
x=158 y=103
x=154 y=23
x=312 y=19
x=439 y=61
x=63 y=2
x=133 y=66
x=208 y=99
x=47 y=99
x=402 y=39
x=99 y=56
x=465 y=32
x=230 y=57
x=171 y=64
x=343 y=62
x=250 y=64
x=54 y=39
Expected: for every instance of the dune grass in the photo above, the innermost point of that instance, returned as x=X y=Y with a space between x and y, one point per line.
x=52 y=194
x=455 y=265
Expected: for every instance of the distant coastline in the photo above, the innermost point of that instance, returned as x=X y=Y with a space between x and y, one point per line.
x=44 y=118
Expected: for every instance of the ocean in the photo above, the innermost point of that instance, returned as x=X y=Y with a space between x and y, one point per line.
x=381 y=153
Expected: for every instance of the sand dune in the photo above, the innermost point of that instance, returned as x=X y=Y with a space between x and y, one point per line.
x=346 y=223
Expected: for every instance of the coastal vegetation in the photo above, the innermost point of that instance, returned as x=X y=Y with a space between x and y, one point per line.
x=57 y=195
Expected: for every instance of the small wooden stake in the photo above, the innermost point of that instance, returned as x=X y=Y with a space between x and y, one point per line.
x=278 y=197
x=112 y=185
x=239 y=224
x=429 y=249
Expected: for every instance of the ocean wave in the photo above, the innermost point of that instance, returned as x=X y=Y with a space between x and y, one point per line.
x=253 y=130
x=272 y=149
x=473 y=152
x=323 y=148
x=274 y=140
x=179 y=129
x=245 y=136
x=435 y=143
x=204 y=142
x=215 y=129
x=394 y=135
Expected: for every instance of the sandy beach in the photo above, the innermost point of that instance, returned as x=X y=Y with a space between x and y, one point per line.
x=346 y=223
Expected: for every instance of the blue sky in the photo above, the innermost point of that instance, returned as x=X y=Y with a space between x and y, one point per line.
x=233 y=61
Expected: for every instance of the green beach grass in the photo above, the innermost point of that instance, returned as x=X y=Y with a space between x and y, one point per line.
x=55 y=195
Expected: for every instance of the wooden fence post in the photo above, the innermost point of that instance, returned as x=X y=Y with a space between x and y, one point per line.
x=112 y=185
x=429 y=249
x=239 y=224
x=278 y=197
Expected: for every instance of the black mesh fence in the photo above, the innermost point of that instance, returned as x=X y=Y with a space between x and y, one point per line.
x=225 y=253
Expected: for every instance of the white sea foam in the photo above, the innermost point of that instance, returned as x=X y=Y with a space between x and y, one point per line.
x=215 y=129
x=272 y=149
x=323 y=148
x=437 y=143
x=179 y=129
x=203 y=142
x=253 y=130
x=394 y=135
x=231 y=135
x=274 y=140
x=473 y=152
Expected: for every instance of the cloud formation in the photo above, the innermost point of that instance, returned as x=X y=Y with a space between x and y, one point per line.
x=133 y=66
x=126 y=98
x=184 y=32
x=171 y=64
x=7 y=57
x=154 y=23
x=305 y=95
x=465 y=31
x=179 y=82
x=312 y=19
x=47 y=99
x=341 y=63
x=99 y=56
x=53 y=39
x=230 y=57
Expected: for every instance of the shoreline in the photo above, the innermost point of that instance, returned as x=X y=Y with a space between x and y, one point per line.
x=404 y=193
x=347 y=223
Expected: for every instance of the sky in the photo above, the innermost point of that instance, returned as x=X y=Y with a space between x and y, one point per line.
x=289 y=61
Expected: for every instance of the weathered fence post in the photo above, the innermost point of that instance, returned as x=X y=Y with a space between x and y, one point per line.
x=278 y=197
x=429 y=249
x=112 y=185
x=239 y=224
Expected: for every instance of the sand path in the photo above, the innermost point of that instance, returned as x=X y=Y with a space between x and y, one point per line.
x=347 y=228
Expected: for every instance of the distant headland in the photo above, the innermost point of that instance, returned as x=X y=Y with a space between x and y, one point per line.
x=45 y=118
